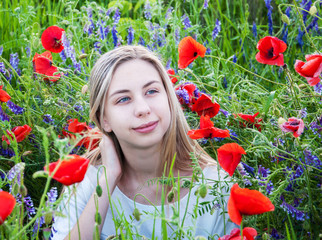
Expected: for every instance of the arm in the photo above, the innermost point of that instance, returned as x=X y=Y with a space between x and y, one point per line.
x=114 y=172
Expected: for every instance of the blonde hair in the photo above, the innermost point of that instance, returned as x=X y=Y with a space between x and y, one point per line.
x=175 y=140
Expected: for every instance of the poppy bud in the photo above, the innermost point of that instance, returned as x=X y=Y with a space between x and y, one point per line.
x=4 y=145
x=197 y=192
x=96 y=233
x=266 y=236
x=203 y=190
x=185 y=184
x=26 y=153
x=15 y=189
x=23 y=190
x=286 y=19
x=48 y=217
x=39 y=174
x=84 y=89
x=281 y=121
x=170 y=196
x=98 y=218
x=136 y=214
x=82 y=56
x=99 y=190
x=313 y=10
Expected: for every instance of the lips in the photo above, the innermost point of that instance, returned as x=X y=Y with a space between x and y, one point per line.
x=148 y=127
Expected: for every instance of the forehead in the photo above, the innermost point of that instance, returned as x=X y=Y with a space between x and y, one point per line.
x=133 y=72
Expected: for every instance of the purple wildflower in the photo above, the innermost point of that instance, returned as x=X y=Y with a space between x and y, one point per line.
x=183 y=94
x=216 y=30
x=130 y=37
x=318 y=88
x=248 y=168
x=141 y=41
x=263 y=172
x=2 y=68
x=234 y=58
x=168 y=64
x=226 y=113
x=1 y=50
x=63 y=56
x=269 y=15
x=295 y=213
x=205 y=4
x=254 y=29
x=52 y=195
x=168 y=13
x=97 y=46
x=27 y=51
x=29 y=206
x=14 y=61
x=303 y=113
x=89 y=12
x=77 y=107
x=305 y=4
x=244 y=174
x=225 y=82
x=233 y=135
x=177 y=35
x=114 y=35
x=3 y=116
x=117 y=16
x=186 y=22
x=147 y=11
x=47 y=119
x=15 y=173
x=15 y=108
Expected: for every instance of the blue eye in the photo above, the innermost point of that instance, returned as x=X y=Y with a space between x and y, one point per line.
x=123 y=99
x=152 y=91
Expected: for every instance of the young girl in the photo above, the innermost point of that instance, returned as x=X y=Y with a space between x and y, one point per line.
x=144 y=129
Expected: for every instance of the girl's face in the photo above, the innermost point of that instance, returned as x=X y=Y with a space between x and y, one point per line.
x=137 y=108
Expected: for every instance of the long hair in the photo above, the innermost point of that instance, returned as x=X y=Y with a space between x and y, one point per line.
x=175 y=140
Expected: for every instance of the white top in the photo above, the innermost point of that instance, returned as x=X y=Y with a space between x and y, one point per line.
x=150 y=221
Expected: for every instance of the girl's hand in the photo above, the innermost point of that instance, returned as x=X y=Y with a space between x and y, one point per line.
x=110 y=158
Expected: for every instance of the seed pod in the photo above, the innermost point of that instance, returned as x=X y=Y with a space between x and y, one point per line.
x=99 y=190
x=98 y=218
x=48 y=217
x=23 y=190
x=15 y=189
x=4 y=145
x=136 y=214
x=203 y=190
x=313 y=10
x=82 y=56
x=170 y=196
x=281 y=121
x=286 y=19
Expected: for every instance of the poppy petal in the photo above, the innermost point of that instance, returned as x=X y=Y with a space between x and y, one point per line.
x=205 y=122
x=204 y=106
x=250 y=202
x=4 y=96
x=51 y=39
x=249 y=233
x=189 y=49
x=229 y=156
x=233 y=211
x=7 y=203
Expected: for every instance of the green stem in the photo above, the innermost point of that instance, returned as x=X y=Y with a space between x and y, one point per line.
x=221 y=194
x=246 y=70
x=78 y=228
x=292 y=87
x=241 y=229
x=303 y=24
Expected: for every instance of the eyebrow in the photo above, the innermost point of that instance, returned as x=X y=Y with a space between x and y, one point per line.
x=126 y=90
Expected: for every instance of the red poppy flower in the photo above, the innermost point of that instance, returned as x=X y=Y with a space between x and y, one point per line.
x=207 y=130
x=7 y=203
x=251 y=120
x=43 y=65
x=248 y=234
x=294 y=125
x=270 y=51
x=51 y=39
x=311 y=70
x=243 y=201
x=189 y=49
x=83 y=129
x=70 y=170
x=4 y=96
x=20 y=132
x=172 y=76
x=229 y=156
x=204 y=106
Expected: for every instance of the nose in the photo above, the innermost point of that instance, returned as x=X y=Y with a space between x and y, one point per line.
x=141 y=107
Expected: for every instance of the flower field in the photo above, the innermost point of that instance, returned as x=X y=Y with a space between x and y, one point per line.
x=248 y=77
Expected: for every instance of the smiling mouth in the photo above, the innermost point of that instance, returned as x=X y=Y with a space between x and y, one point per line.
x=145 y=128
